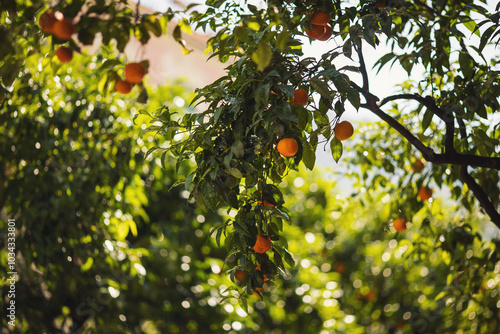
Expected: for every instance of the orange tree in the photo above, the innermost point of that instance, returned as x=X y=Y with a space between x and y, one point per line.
x=449 y=116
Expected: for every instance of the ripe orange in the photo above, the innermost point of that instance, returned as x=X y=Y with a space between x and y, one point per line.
x=343 y=130
x=340 y=268
x=300 y=97
x=63 y=29
x=262 y=244
x=328 y=33
x=399 y=224
x=380 y=4
x=288 y=147
x=316 y=31
x=46 y=21
x=320 y=18
x=265 y=277
x=134 y=72
x=240 y=275
x=425 y=193
x=123 y=86
x=64 y=54
x=417 y=165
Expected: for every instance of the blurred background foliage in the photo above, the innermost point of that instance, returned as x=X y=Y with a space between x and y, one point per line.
x=106 y=243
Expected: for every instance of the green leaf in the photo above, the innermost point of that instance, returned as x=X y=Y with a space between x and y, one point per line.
x=337 y=149
x=308 y=155
x=353 y=96
x=426 y=121
x=235 y=172
x=238 y=149
x=321 y=87
x=262 y=57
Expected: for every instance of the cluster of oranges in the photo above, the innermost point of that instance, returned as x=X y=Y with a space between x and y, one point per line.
x=320 y=26
x=62 y=28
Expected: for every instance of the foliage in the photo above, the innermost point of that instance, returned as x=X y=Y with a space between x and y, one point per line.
x=92 y=213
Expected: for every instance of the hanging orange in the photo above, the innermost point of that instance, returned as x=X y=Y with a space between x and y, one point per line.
x=425 y=193
x=262 y=244
x=343 y=130
x=327 y=34
x=63 y=29
x=320 y=18
x=123 y=86
x=399 y=224
x=288 y=147
x=316 y=31
x=64 y=54
x=300 y=97
x=134 y=72
x=46 y=21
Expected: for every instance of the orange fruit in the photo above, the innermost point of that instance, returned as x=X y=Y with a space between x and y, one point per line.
x=316 y=31
x=262 y=244
x=370 y=296
x=265 y=277
x=46 y=21
x=425 y=193
x=288 y=147
x=399 y=224
x=320 y=18
x=300 y=97
x=63 y=29
x=240 y=275
x=343 y=130
x=123 y=86
x=134 y=72
x=380 y=4
x=328 y=33
x=340 y=268
x=417 y=165
x=64 y=54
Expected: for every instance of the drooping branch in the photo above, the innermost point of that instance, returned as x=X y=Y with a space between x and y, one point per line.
x=450 y=156
x=481 y=195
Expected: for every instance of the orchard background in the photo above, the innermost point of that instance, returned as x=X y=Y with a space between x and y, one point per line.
x=160 y=208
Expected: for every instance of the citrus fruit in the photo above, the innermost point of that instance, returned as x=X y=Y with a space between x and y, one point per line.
x=262 y=244
x=64 y=54
x=425 y=193
x=300 y=97
x=240 y=275
x=417 y=165
x=320 y=18
x=266 y=203
x=123 y=86
x=316 y=31
x=399 y=224
x=288 y=147
x=46 y=21
x=380 y=4
x=63 y=29
x=134 y=72
x=343 y=130
x=327 y=34
x=259 y=269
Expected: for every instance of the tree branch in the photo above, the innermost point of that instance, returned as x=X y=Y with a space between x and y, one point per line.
x=481 y=196
x=362 y=67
